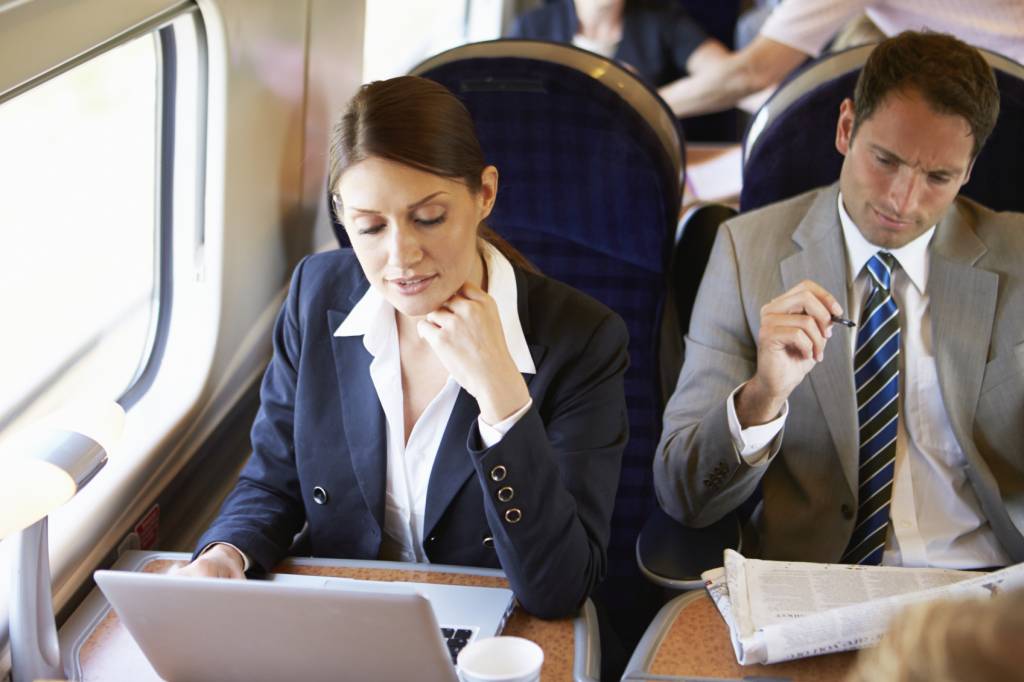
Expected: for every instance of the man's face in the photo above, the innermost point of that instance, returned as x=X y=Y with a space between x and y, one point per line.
x=903 y=168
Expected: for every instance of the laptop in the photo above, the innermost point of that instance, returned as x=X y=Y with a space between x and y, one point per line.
x=302 y=627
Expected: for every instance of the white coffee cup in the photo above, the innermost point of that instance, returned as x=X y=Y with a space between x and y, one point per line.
x=501 y=659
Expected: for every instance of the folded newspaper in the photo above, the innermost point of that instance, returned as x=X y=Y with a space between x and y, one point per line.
x=781 y=610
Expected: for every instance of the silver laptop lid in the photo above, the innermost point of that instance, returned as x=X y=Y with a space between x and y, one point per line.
x=206 y=628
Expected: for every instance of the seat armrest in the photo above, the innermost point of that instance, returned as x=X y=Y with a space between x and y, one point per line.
x=672 y=555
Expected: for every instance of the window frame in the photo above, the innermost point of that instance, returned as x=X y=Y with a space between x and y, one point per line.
x=160 y=25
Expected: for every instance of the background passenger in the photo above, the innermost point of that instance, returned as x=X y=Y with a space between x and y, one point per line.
x=430 y=398
x=969 y=640
x=655 y=39
x=799 y=29
x=898 y=441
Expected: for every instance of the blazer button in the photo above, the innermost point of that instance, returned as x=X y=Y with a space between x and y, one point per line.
x=319 y=495
x=488 y=541
x=513 y=515
x=499 y=473
x=846 y=511
x=505 y=494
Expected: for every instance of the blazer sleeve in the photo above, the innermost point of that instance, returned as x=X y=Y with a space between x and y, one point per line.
x=561 y=462
x=265 y=511
x=698 y=475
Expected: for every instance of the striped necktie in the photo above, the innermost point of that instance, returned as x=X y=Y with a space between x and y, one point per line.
x=876 y=370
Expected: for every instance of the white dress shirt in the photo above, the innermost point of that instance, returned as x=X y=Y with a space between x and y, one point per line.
x=935 y=518
x=409 y=461
x=808 y=25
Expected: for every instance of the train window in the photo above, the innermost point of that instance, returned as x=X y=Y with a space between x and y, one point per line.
x=401 y=34
x=79 y=235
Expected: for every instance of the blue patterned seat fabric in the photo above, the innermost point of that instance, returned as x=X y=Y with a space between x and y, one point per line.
x=587 y=193
x=782 y=164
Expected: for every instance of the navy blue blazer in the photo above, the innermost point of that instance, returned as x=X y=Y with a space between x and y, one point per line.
x=320 y=427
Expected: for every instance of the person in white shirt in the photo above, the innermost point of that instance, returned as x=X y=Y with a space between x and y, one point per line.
x=800 y=29
x=431 y=398
x=896 y=441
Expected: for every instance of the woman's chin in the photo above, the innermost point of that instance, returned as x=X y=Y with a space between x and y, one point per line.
x=415 y=306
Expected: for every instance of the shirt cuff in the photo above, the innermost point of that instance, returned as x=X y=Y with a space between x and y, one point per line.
x=245 y=557
x=752 y=443
x=492 y=435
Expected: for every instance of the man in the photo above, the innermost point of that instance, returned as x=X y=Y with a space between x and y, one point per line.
x=900 y=440
x=798 y=29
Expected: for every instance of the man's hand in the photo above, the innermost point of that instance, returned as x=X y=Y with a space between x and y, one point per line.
x=794 y=330
x=219 y=561
x=466 y=334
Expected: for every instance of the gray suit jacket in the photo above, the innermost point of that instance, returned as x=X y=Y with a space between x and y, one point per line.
x=976 y=287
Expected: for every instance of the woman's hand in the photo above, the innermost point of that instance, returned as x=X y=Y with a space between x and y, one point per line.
x=219 y=561
x=466 y=334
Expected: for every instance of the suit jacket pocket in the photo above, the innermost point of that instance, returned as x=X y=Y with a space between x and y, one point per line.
x=1003 y=368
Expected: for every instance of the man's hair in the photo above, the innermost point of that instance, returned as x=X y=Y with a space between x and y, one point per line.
x=951 y=75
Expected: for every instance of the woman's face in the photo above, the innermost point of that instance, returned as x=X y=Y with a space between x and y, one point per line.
x=414 y=233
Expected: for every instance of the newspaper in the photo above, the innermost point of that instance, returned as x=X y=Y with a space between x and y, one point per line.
x=781 y=610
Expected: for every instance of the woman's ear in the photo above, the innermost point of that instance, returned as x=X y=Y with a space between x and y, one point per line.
x=488 y=190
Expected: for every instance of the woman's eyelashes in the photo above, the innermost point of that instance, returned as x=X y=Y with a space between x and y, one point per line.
x=371 y=229
x=430 y=221
x=429 y=215
x=425 y=220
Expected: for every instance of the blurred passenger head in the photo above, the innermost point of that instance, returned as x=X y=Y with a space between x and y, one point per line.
x=950 y=641
x=923 y=106
x=409 y=182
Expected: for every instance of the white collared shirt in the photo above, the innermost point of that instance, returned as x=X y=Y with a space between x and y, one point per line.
x=935 y=517
x=409 y=462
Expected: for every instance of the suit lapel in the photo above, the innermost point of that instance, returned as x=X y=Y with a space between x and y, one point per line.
x=362 y=416
x=963 y=303
x=822 y=259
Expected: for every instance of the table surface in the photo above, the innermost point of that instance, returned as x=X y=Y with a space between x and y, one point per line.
x=714 y=173
x=96 y=646
x=688 y=638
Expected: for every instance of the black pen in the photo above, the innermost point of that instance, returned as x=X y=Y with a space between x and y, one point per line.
x=843 y=321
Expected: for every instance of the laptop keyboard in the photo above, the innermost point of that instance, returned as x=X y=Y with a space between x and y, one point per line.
x=455 y=639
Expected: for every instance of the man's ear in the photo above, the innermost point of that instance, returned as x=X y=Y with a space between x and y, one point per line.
x=967 y=175
x=844 y=127
x=488 y=189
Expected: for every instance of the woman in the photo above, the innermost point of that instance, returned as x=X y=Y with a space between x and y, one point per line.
x=430 y=398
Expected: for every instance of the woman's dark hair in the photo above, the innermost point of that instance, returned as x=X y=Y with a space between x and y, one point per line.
x=951 y=75
x=419 y=123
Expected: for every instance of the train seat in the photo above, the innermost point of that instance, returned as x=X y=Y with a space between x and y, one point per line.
x=590 y=181
x=669 y=554
x=591 y=175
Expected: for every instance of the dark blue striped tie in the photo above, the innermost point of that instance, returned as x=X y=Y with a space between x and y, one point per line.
x=876 y=371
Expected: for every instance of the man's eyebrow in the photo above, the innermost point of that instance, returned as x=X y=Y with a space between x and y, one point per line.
x=410 y=207
x=885 y=152
x=896 y=157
